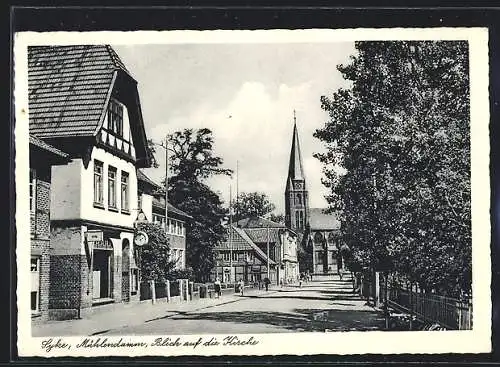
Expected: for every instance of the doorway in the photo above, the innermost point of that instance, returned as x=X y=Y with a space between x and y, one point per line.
x=101 y=282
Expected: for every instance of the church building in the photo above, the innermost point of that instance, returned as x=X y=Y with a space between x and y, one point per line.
x=318 y=232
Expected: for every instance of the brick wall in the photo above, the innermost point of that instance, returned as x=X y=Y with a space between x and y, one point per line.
x=40 y=234
x=65 y=282
x=41 y=249
x=40 y=219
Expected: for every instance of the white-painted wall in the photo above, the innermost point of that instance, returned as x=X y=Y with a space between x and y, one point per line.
x=65 y=193
x=147 y=206
x=88 y=211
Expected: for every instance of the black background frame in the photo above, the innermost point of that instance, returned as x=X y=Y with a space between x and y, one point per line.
x=92 y=16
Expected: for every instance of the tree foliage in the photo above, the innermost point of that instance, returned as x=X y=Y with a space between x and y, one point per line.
x=252 y=204
x=155 y=255
x=192 y=160
x=401 y=133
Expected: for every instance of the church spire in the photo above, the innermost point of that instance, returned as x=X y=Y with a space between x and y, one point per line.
x=295 y=167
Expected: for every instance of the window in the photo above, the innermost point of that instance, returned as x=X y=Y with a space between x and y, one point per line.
x=35 y=283
x=134 y=281
x=125 y=193
x=299 y=199
x=112 y=187
x=226 y=256
x=181 y=258
x=32 y=190
x=235 y=256
x=115 y=117
x=319 y=257
x=98 y=186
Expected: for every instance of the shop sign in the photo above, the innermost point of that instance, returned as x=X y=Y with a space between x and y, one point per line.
x=94 y=236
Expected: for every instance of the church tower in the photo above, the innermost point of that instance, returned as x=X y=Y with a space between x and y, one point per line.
x=296 y=196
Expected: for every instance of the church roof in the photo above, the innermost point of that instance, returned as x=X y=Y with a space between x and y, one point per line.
x=295 y=166
x=319 y=220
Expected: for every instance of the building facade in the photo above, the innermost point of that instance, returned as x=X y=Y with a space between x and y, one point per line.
x=151 y=203
x=318 y=232
x=42 y=157
x=240 y=258
x=83 y=100
x=282 y=245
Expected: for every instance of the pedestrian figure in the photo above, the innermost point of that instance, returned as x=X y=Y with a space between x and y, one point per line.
x=281 y=282
x=242 y=285
x=217 y=288
x=266 y=282
x=300 y=282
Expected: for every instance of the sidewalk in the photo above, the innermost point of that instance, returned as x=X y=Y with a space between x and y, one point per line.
x=119 y=315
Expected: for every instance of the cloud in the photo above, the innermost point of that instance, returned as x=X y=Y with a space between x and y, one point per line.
x=255 y=129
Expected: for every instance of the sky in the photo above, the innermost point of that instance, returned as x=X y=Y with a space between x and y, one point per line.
x=245 y=94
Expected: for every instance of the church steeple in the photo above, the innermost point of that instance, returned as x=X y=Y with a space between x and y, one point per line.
x=296 y=195
x=295 y=167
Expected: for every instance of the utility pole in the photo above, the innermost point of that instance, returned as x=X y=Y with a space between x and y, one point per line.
x=268 y=273
x=230 y=234
x=237 y=192
x=166 y=183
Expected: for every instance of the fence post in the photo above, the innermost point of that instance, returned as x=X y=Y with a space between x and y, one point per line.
x=186 y=289
x=410 y=296
x=180 y=289
x=167 y=284
x=153 y=291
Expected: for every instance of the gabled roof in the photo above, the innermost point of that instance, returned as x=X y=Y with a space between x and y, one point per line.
x=241 y=241
x=69 y=88
x=47 y=147
x=260 y=235
x=319 y=220
x=258 y=222
x=141 y=176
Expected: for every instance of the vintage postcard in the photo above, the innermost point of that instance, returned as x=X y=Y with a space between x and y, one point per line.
x=252 y=192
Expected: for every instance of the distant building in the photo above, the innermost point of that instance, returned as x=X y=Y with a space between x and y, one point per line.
x=318 y=232
x=42 y=157
x=240 y=258
x=151 y=203
x=83 y=100
x=282 y=245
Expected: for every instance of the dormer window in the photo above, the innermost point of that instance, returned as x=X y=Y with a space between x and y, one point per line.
x=115 y=117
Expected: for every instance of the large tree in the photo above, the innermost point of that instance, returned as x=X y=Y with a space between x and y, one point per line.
x=156 y=263
x=191 y=161
x=252 y=204
x=401 y=134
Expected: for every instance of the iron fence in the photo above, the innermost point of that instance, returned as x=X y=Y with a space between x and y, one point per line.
x=449 y=312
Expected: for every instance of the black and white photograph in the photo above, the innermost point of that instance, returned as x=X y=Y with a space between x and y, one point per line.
x=243 y=192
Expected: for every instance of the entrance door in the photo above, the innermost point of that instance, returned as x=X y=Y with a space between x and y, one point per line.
x=101 y=274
